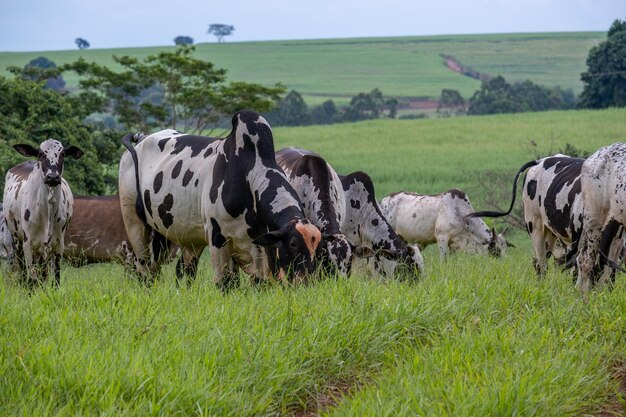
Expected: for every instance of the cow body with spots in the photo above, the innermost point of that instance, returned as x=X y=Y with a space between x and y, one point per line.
x=553 y=206
x=603 y=188
x=38 y=208
x=321 y=193
x=365 y=225
x=226 y=193
x=442 y=219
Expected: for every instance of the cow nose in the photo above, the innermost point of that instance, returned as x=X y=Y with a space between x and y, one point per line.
x=53 y=179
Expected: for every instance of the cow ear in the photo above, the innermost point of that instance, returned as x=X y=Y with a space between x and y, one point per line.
x=26 y=150
x=410 y=250
x=269 y=239
x=361 y=251
x=74 y=151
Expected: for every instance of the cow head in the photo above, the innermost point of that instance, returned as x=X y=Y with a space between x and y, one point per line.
x=335 y=253
x=405 y=262
x=292 y=249
x=50 y=156
x=497 y=244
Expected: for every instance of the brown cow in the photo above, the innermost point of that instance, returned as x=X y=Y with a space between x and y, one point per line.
x=96 y=232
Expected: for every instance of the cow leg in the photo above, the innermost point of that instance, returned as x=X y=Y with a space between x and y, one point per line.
x=57 y=269
x=187 y=265
x=538 y=238
x=589 y=244
x=224 y=268
x=444 y=245
x=611 y=243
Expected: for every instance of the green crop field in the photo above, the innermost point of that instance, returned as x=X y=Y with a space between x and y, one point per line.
x=473 y=336
x=407 y=67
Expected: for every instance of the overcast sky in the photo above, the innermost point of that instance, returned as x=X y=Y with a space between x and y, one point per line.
x=39 y=25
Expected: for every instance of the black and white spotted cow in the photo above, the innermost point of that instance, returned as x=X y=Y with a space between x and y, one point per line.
x=442 y=219
x=364 y=224
x=38 y=208
x=553 y=207
x=603 y=188
x=321 y=193
x=226 y=193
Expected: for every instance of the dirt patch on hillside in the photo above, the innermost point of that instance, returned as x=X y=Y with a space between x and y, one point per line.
x=455 y=65
x=328 y=398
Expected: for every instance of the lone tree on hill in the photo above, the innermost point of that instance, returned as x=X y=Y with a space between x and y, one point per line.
x=220 y=30
x=183 y=40
x=82 y=43
x=605 y=79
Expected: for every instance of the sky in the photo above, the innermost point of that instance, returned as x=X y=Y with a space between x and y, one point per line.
x=43 y=25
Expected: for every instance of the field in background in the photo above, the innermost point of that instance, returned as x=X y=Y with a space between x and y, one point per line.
x=406 y=67
x=431 y=156
x=474 y=336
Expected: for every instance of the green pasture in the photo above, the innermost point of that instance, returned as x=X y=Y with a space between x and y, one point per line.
x=433 y=155
x=473 y=336
x=404 y=67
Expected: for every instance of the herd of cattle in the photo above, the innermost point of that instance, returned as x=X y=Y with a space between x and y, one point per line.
x=287 y=214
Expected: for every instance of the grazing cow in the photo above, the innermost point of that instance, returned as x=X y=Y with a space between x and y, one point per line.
x=97 y=233
x=38 y=207
x=321 y=193
x=226 y=193
x=6 y=240
x=442 y=219
x=552 y=205
x=603 y=187
x=364 y=224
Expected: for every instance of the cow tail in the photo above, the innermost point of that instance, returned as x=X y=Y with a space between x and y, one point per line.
x=487 y=213
x=139 y=204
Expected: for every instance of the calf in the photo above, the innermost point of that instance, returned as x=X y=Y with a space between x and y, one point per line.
x=442 y=219
x=226 y=193
x=552 y=203
x=603 y=188
x=321 y=193
x=38 y=207
x=364 y=224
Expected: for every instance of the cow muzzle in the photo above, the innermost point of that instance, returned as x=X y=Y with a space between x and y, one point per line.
x=52 y=179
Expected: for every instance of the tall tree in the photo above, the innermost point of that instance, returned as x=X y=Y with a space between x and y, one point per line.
x=451 y=103
x=220 y=30
x=81 y=43
x=169 y=90
x=290 y=111
x=604 y=82
x=42 y=69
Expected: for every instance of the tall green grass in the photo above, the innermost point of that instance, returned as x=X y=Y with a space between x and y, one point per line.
x=475 y=336
x=401 y=67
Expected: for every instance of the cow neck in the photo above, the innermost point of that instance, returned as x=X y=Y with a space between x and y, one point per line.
x=383 y=232
x=43 y=192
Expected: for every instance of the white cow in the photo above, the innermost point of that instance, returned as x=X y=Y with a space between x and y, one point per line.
x=603 y=188
x=38 y=208
x=442 y=219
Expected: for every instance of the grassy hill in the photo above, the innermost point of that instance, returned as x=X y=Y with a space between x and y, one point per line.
x=404 y=67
